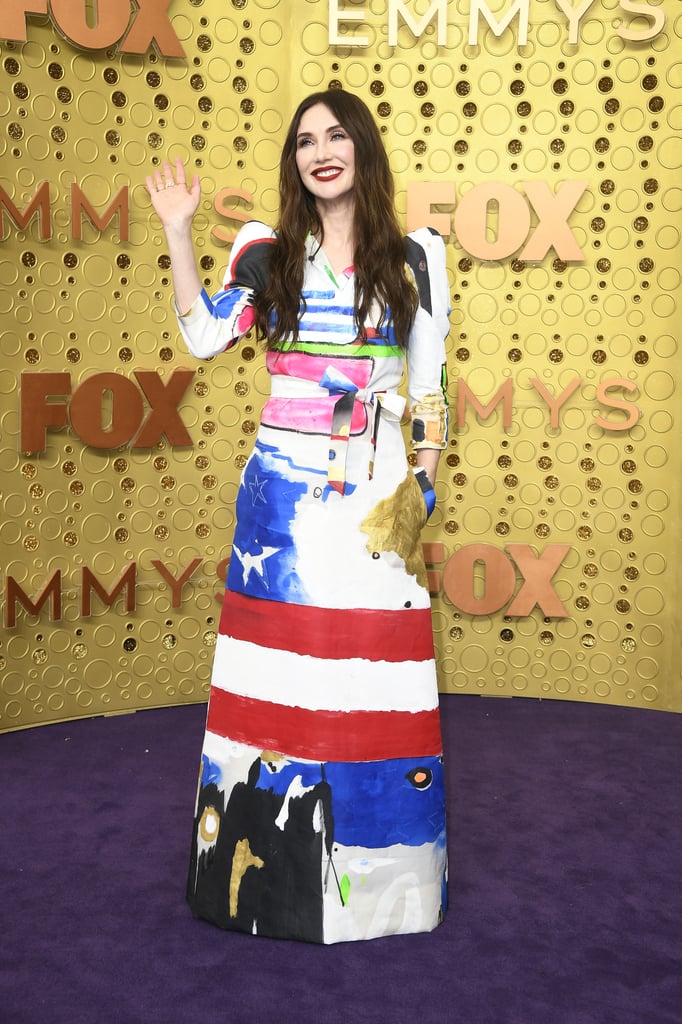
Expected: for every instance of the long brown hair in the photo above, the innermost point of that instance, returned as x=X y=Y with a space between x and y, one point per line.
x=379 y=257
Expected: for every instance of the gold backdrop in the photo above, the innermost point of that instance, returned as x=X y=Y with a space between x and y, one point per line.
x=543 y=144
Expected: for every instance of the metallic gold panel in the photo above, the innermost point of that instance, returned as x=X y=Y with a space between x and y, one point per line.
x=549 y=159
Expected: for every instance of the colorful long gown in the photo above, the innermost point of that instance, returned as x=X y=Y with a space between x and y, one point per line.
x=320 y=813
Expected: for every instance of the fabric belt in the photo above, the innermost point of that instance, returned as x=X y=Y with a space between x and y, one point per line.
x=334 y=383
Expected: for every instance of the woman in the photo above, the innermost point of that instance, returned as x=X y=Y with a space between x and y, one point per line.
x=320 y=813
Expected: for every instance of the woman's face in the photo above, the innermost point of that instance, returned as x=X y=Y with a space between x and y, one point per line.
x=325 y=156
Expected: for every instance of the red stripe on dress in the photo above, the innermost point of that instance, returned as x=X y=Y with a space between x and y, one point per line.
x=330 y=633
x=324 y=735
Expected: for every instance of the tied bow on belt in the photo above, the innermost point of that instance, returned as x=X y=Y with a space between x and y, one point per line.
x=377 y=403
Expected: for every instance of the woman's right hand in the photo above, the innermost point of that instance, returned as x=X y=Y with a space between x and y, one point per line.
x=176 y=203
x=173 y=200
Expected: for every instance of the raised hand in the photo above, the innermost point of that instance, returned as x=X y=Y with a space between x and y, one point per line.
x=176 y=203
x=173 y=200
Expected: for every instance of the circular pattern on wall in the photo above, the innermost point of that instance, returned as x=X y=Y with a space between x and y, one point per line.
x=562 y=374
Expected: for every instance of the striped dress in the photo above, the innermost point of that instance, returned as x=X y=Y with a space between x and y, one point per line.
x=320 y=812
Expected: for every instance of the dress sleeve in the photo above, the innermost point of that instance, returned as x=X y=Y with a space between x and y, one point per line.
x=213 y=325
x=426 y=365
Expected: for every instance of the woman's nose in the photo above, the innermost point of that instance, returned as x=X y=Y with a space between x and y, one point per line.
x=321 y=150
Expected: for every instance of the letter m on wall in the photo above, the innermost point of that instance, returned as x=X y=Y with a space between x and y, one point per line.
x=40 y=204
x=51 y=591
x=118 y=206
x=125 y=583
x=520 y=7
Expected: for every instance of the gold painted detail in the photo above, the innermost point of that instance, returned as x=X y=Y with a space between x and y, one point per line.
x=209 y=825
x=242 y=860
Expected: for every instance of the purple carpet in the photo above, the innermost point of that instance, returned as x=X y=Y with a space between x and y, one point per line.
x=565 y=825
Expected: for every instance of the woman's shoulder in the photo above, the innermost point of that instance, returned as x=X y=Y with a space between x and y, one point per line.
x=424 y=243
x=253 y=231
x=425 y=255
x=250 y=255
x=424 y=234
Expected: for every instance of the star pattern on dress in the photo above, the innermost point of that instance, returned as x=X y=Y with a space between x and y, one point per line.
x=254 y=562
x=256 y=488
